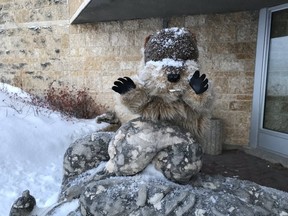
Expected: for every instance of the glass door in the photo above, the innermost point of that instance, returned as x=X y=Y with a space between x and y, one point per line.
x=276 y=97
x=269 y=125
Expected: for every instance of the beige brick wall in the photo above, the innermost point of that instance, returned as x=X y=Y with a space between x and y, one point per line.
x=38 y=46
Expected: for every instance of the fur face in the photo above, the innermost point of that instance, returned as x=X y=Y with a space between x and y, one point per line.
x=155 y=77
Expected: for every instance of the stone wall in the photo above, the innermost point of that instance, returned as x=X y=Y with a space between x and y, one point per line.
x=74 y=5
x=39 y=46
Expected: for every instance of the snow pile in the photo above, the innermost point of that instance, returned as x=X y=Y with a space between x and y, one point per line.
x=33 y=142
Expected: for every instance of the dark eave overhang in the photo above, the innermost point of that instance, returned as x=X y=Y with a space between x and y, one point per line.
x=92 y=11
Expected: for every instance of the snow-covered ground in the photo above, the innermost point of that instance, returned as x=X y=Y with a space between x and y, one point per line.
x=33 y=141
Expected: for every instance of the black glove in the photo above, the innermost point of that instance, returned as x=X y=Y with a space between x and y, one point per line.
x=123 y=85
x=198 y=83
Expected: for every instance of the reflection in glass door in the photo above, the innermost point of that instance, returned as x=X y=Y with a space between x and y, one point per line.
x=276 y=98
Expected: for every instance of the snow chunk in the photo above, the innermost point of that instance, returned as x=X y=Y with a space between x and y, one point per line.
x=200 y=212
x=166 y=62
x=283 y=213
x=150 y=170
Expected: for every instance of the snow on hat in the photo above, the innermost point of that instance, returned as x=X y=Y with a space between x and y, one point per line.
x=176 y=43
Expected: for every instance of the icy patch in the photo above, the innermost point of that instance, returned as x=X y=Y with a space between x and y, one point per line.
x=66 y=208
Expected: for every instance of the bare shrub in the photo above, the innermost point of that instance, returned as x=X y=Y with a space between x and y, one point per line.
x=73 y=102
x=69 y=101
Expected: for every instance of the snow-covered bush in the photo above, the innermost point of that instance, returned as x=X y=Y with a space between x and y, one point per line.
x=69 y=101
x=73 y=102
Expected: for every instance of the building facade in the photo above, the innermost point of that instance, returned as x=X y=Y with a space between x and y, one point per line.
x=40 y=46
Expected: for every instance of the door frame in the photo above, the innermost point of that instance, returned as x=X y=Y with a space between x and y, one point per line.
x=258 y=134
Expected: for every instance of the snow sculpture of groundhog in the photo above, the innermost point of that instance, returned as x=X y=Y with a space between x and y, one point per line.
x=170 y=86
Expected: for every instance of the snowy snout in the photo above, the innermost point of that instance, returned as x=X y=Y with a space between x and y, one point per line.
x=173 y=73
x=173 y=77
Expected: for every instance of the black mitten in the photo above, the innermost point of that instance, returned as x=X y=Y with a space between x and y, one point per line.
x=123 y=85
x=198 y=83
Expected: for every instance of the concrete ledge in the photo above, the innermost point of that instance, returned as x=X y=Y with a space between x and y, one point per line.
x=269 y=156
x=107 y=10
x=260 y=153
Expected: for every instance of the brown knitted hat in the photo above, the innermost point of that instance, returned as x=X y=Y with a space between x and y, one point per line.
x=175 y=43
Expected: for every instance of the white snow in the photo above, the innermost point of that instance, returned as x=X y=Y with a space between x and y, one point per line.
x=166 y=62
x=150 y=170
x=33 y=141
x=176 y=30
x=61 y=210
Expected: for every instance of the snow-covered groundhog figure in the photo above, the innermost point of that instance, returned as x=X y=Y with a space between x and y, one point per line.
x=170 y=87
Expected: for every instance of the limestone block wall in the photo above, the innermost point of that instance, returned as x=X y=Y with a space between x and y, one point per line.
x=74 y=5
x=39 y=46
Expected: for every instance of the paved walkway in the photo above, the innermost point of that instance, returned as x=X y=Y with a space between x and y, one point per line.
x=247 y=167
